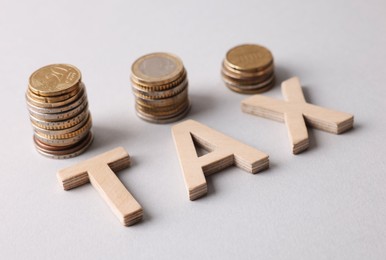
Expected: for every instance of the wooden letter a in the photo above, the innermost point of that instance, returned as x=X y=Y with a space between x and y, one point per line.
x=223 y=152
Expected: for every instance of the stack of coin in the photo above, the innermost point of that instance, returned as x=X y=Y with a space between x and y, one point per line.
x=58 y=107
x=248 y=69
x=160 y=87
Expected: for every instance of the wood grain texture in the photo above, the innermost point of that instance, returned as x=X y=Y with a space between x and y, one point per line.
x=99 y=171
x=223 y=152
x=296 y=113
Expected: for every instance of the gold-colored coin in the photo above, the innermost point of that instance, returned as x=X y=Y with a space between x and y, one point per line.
x=158 y=120
x=164 y=102
x=160 y=87
x=247 y=81
x=238 y=74
x=53 y=135
x=60 y=109
x=248 y=69
x=61 y=131
x=165 y=87
x=59 y=125
x=248 y=57
x=69 y=98
x=160 y=94
x=53 y=99
x=164 y=112
x=62 y=141
x=252 y=90
x=157 y=69
x=161 y=108
x=250 y=85
x=54 y=80
x=60 y=116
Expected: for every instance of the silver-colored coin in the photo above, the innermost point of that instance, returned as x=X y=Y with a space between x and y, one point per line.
x=157 y=66
x=84 y=127
x=61 y=142
x=60 y=116
x=157 y=69
x=58 y=125
x=70 y=153
x=61 y=131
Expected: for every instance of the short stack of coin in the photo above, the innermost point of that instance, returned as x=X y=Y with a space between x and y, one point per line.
x=160 y=87
x=248 y=69
x=58 y=107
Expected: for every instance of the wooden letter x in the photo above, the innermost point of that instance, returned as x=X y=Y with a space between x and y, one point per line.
x=296 y=112
x=224 y=151
x=99 y=171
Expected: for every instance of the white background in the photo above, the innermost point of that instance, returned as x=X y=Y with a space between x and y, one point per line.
x=327 y=203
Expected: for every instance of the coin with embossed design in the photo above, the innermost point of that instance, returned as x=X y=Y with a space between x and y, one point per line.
x=248 y=57
x=157 y=69
x=54 y=80
x=58 y=110
x=160 y=86
x=248 y=69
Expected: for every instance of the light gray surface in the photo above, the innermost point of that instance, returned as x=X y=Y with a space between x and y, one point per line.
x=327 y=203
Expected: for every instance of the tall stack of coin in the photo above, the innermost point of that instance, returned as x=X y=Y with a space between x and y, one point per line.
x=160 y=87
x=58 y=107
x=248 y=69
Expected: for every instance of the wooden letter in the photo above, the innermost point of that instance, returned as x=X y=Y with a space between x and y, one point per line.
x=224 y=151
x=296 y=112
x=99 y=171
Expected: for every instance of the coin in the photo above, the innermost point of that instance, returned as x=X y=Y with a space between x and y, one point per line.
x=161 y=113
x=54 y=80
x=58 y=110
x=250 y=91
x=160 y=86
x=61 y=141
x=161 y=94
x=69 y=152
x=157 y=120
x=248 y=81
x=55 y=135
x=248 y=69
x=53 y=117
x=35 y=100
x=248 y=57
x=157 y=69
x=163 y=102
x=54 y=110
x=61 y=131
x=58 y=125
x=237 y=74
x=50 y=100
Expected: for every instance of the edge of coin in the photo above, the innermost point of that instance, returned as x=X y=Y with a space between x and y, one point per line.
x=81 y=149
x=167 y=120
